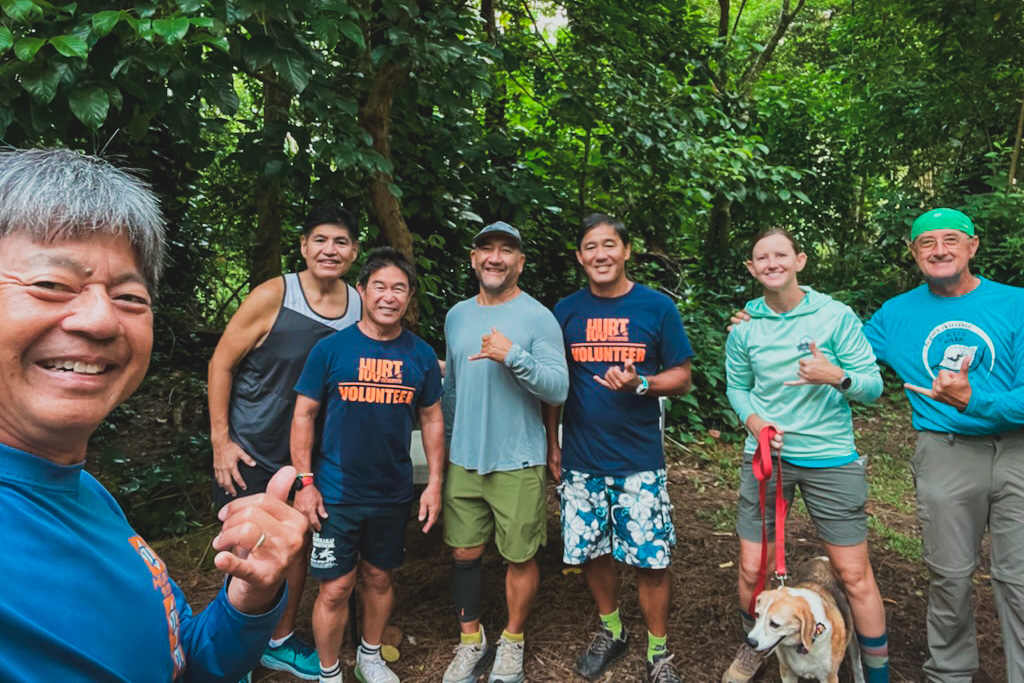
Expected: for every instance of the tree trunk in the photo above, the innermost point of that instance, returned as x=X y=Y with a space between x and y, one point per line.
x=716 y=246
x=375 y=118
x=266 y=259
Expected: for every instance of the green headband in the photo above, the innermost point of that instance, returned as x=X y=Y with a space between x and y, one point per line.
x=941 y=219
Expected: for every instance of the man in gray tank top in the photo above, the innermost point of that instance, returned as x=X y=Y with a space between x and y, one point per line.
x=252 y=376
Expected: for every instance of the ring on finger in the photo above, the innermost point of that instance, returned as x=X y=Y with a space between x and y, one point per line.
x=261 y=541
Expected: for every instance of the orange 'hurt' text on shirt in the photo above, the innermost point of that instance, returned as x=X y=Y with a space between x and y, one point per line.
x=380 y=381
x=608 y=342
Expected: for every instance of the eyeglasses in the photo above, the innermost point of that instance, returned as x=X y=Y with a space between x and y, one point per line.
x=948 y=241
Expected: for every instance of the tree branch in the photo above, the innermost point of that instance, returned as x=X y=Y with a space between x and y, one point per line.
x=785 y=19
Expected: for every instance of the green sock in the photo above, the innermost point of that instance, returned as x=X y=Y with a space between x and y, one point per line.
x=512 y=637
x=612 y=624
x=657 y=646
x=472 y=638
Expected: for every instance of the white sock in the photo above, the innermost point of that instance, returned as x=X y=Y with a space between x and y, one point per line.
x=278 y=642
x=367 y=651
x=332 y=675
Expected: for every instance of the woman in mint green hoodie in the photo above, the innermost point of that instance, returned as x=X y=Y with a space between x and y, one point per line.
x=795 y=366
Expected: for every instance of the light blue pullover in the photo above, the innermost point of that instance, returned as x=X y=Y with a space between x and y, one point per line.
x=764 y=353
x=492 y=410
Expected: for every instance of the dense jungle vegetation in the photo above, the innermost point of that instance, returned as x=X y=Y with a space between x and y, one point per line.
x=697 y=122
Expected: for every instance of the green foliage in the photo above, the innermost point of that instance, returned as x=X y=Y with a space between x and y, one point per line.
x=864 y=114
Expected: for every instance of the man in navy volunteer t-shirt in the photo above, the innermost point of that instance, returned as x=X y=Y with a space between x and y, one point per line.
x=625 y=346
x=375 y=378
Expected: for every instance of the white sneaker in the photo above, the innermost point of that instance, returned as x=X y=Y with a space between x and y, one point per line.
x=374 y=670
x=508 y=662
x=470 y=661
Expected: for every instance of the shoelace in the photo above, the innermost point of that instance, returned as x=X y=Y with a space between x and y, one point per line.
x=508 y=654
x=663 y=673
x=464 y=652
x=601 y=643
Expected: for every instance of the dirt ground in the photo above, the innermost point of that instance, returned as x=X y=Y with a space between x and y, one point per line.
x=704 y=629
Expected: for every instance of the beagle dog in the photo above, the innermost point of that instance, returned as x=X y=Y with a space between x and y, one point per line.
x=808 y=625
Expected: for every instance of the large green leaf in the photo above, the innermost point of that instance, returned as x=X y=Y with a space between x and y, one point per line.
x=220 y=92
x=20 y=10
x=104 y=22
x=292 y=70
x=70 y=46
x=41 y=81
x=6 y=39
x=352 y=31
x=27 y=47
x=171 y=30
x=89 y=103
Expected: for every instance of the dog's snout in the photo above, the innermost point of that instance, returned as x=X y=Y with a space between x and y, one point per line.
x=752 y=642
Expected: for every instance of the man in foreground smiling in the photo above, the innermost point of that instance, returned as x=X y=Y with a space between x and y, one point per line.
x=83 y=597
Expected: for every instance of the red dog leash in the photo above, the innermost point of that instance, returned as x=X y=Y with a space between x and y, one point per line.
x=763 y=471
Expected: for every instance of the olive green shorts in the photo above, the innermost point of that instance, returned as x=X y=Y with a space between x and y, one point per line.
x=511 y=505
x=835 y=498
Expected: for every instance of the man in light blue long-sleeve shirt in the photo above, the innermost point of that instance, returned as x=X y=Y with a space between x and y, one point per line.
x=505 y=358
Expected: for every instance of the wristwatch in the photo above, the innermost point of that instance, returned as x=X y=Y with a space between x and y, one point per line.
x=643 y=386
x=844 y=383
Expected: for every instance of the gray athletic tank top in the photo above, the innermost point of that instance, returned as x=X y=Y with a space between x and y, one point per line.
x=263 y=391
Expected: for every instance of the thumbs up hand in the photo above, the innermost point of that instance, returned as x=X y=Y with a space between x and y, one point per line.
x=816 y=370
x=951 y=388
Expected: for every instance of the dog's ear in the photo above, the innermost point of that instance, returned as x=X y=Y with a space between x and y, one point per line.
x=807 y=623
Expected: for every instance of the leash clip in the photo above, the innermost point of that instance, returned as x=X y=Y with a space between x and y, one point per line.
x=781 y=578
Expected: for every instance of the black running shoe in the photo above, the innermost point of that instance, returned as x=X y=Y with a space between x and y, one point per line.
x=662 y=671
x=601 y=653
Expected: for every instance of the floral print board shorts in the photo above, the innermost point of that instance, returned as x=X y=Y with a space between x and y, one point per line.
x=630 y=517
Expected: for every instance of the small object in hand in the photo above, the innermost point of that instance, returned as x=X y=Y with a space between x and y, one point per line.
x=260 y=542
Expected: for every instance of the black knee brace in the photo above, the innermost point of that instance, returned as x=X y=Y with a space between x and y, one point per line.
x=467 y=588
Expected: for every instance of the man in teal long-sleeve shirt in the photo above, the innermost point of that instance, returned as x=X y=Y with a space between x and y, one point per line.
x=505 y=358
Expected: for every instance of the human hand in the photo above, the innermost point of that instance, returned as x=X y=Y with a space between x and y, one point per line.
x=740 y=316
x=494 y=346
x=260 y=538
x=951 y=388
x=555 y=462
x=817 y=370
x=756 y=423
x=620 y=379
x=226 y=456
x=430 y=505
x=310 y=503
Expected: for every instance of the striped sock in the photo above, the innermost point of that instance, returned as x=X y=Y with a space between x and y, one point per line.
x=367 y=651
x=331 y=675
x=874 y=654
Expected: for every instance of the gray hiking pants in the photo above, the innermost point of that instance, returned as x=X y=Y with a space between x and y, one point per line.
x=965 y=484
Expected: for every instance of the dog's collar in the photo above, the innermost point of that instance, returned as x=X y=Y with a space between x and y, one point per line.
x=819 y=628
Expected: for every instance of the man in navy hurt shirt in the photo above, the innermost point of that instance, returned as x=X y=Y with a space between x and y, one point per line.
x=375 y=378
x=625 y=346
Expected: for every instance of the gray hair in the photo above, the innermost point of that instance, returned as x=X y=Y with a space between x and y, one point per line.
x=49 y=195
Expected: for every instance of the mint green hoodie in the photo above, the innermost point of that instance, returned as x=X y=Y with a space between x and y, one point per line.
x=762 y=354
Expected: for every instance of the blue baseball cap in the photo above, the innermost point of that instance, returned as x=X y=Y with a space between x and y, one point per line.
x=499 y=228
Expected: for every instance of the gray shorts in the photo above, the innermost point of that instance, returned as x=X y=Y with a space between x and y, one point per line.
x=834 y=496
